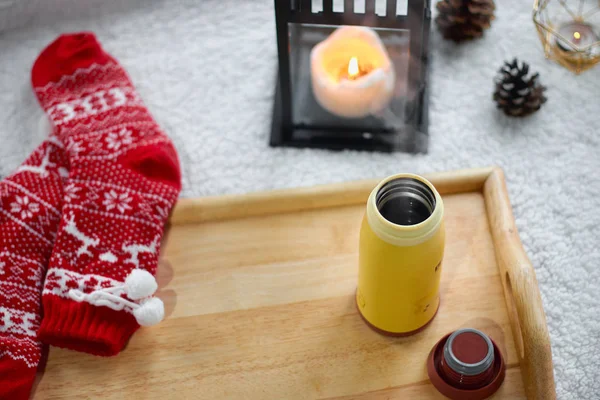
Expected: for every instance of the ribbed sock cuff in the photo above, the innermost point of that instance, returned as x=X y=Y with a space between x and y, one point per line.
x=16 y=378
x=83 y=327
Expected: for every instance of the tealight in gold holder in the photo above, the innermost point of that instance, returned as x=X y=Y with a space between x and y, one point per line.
x=570 y=33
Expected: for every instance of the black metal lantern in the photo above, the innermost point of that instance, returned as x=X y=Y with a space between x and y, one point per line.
x=352 y=77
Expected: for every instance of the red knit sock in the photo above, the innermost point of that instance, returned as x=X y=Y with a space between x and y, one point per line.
x=30 y=203
x=123 y=182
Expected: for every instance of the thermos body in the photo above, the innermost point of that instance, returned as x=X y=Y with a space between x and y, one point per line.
x=400 y=253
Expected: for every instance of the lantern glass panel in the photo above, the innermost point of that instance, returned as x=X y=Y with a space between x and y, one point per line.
x=306 y=109
x=353 y=74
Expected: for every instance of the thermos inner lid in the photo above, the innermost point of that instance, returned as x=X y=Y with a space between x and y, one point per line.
x=405 y=201
x=459 y=386
x=469 y=352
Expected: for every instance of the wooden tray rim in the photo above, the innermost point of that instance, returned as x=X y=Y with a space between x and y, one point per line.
x=521 y=291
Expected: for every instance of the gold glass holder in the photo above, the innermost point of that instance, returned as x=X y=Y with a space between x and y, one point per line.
x=550 y=15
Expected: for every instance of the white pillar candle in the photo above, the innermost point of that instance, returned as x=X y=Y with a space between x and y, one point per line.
x=351 y=72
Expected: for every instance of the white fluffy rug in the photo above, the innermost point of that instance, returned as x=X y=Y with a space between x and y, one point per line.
x=206 y=69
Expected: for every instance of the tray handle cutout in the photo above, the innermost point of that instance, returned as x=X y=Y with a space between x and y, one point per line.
x=522 y=296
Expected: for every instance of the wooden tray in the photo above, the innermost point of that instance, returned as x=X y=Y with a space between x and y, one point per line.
x=259 y=295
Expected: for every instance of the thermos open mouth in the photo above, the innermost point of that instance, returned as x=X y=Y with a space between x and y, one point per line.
x=405 y=201
x=405 y=210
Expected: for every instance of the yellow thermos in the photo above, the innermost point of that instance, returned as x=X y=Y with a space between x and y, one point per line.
x=400 y=254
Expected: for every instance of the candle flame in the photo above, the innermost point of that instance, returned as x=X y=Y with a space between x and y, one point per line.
x=353 y=67
x=577 y=35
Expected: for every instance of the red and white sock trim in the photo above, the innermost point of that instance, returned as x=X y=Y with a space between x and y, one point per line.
x=28 y=351
x=60 y=281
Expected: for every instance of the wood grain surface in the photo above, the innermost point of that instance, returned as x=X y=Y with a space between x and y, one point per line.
x=262 y=307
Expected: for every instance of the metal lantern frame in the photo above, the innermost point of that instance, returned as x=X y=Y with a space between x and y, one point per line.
x=414 y=135
x=578 y=59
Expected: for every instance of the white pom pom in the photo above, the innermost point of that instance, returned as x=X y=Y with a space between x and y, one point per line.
x=139 y=284
x=150 y=312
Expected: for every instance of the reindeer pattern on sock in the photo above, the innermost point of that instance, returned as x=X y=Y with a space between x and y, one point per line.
x=45 y=166
x=86 y=241
x=99 y=256
x=87 y=244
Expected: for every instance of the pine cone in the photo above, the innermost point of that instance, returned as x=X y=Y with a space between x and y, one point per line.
x=460 y=20
x=516 y=94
